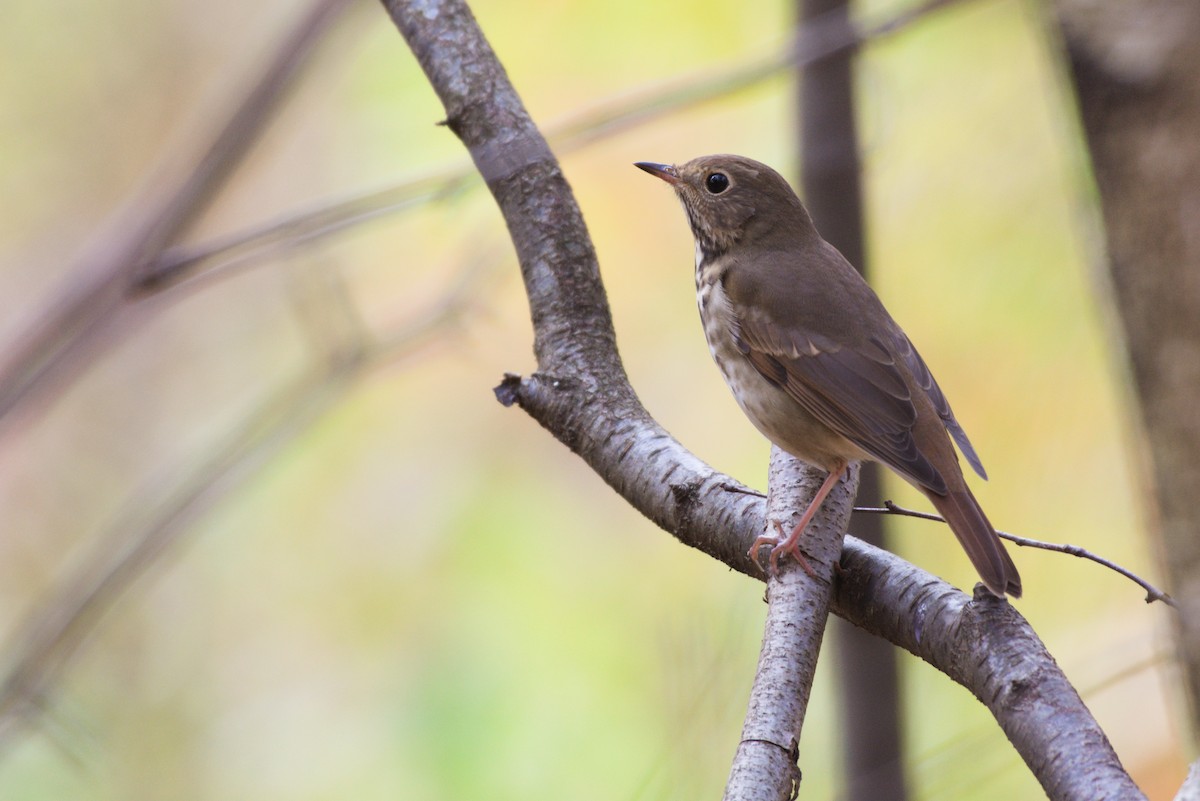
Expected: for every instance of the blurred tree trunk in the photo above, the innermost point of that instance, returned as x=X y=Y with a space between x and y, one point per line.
x=831 y=176
x=1136 y=68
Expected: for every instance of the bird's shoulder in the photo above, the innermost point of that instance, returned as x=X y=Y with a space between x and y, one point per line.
x=810 y=290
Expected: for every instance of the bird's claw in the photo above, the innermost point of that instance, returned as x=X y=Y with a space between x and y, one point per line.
x=780 y=545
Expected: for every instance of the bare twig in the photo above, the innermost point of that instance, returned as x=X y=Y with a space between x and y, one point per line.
x=814 y=42
x=225 y=254
x=582 y=396
x=797 y=608
x=47 y=640
x=1152 y=593
x=96 y=292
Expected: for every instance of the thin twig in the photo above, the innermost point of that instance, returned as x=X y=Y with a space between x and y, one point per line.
x=814 y=42
x=96 y=291
x=48 y=638
x=225 y=254
x=1152 y=593
x=582 y=396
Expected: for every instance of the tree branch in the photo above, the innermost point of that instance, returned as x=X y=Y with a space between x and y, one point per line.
x=582 y=396
x=155 y=520
x=817 y=40
x=97 y=291
x=986 y=646
x=1190 y=791
x=765 y=768
x=1152 y=593
x=1139 y=108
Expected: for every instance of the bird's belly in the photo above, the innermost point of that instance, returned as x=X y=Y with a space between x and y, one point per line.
x=772 y=410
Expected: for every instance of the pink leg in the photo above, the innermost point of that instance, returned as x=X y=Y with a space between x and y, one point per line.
x=791 y=543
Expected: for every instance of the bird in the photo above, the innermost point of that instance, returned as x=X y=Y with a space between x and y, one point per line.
x=814 y=359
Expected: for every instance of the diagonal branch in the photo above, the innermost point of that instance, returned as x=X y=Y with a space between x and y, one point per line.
x=986 y=646
x=97 y=291
x=817 y=40
x=582 y=396
x=47 y=640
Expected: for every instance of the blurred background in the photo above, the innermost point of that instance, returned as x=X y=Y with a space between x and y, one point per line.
x=362 y=576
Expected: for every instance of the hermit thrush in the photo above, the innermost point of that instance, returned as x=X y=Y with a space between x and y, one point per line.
x=812 y=356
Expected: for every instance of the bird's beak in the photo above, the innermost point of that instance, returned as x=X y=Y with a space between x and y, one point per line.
x=664 y=171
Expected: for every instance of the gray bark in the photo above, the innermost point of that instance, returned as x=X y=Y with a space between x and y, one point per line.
x=1136 y=69
x=580 y=395
x=764 y=768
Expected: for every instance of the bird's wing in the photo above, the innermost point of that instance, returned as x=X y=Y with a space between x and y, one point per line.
x=859 y=392
x=920 y=372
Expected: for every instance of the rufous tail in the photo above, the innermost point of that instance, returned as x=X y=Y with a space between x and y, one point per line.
x=979 y=539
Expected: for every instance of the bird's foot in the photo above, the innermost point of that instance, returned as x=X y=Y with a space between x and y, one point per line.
x=780 y=545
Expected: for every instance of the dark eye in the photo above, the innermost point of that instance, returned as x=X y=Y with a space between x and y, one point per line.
x=716 y=183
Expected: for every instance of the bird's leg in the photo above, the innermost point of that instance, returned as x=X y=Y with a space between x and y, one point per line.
x=773 y=560
x=791 y=543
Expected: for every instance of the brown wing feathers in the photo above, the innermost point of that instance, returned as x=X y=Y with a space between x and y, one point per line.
x=861 y=398
x=863 y=395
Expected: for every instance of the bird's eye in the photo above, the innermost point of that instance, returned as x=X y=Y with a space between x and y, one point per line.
x=716 y=183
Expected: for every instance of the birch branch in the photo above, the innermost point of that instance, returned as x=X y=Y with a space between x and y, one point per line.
x=764 y=768
x=581 y=395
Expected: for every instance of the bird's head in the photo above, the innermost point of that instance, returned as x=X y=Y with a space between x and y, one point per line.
x=730 y=198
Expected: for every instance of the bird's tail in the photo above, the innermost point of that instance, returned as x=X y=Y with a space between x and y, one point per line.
x=978 y=538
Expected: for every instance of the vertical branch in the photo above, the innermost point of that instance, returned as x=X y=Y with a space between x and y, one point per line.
x=1140 y=107
x=764 y=768
x=831 y=176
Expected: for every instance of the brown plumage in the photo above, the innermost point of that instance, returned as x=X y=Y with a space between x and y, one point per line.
x=812 y=356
